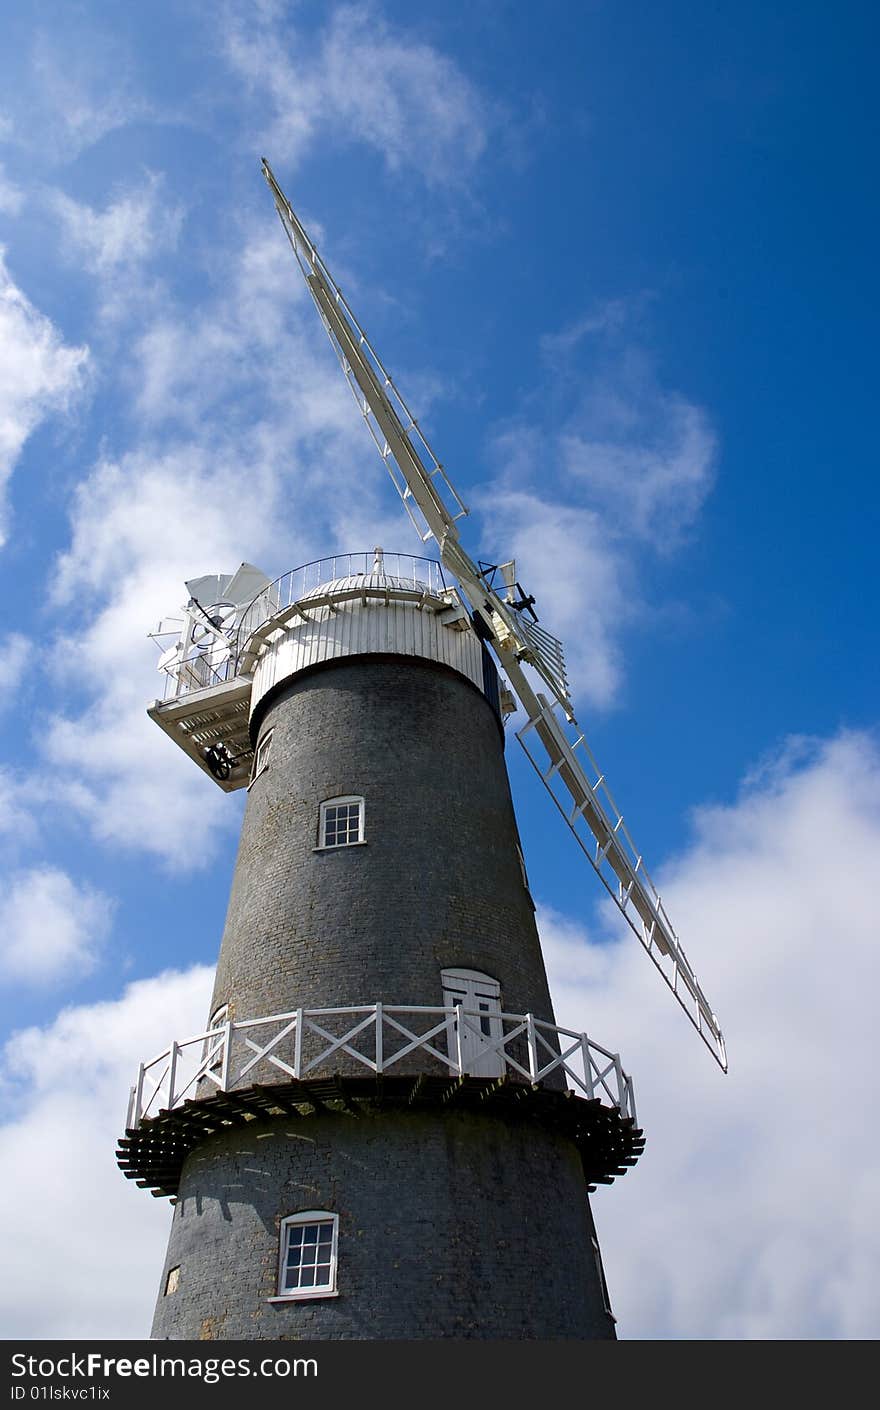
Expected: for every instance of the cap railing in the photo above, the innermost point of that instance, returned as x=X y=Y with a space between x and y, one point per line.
x=377 y=1037
x=296 y=584
x=202 y=669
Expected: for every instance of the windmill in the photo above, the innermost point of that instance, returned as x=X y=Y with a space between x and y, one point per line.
x=382 y=1132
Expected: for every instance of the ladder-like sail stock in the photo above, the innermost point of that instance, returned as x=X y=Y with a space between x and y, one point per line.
x=421 y=485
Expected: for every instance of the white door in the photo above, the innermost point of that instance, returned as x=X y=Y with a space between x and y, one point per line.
x=479 y=996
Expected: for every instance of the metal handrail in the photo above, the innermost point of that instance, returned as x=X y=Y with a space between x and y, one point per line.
x=377 y=570
x=525 y=1045
x=195 y=673
x=297 y=583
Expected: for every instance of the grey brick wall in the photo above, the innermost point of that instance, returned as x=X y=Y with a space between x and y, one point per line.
x=438 y=883
x=451 y=1225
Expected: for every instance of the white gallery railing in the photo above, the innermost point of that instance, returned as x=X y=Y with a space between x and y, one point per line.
x=377 y=1037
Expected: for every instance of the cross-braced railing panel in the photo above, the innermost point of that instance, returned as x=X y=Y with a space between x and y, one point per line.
x=380 y=1039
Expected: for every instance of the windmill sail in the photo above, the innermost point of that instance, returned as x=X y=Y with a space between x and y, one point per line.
x=555 y=746
x=548 y=649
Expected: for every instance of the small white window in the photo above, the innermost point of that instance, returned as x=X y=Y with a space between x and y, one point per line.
x=522 y=866
x=341 y=822
x=261 y=758
x=525 y=879
x=172 y=1282
x=214 y=1046
x=307 y=1264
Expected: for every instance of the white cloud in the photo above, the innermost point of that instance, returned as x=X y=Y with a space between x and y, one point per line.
x=16 y=817
x=651 y=485
x=245 y=436
x=83 y=90
x=604 y=471
x=119 y=246
x=751 y=1214
x=11 y=196
x=365 y=81
x=140 y=527
x=50 y=927
x=248 y=365
x=133 y=228
x=39 y=374
x=642 y=454
x=403 y=97
x=77 y=1220
x=149 y=512
x=257 y=445
x=576 y=573
x=15 y=652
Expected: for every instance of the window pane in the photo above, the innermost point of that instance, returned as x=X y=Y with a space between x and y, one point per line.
x=308 y=1258
x=342 y=824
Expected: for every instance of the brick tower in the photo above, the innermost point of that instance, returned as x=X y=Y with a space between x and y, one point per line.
x=375 y=1135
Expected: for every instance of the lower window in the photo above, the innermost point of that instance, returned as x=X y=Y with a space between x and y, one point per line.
x=308 y=1254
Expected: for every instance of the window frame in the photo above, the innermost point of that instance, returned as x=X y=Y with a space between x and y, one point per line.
x=347 y=799
x=216 y=1023
x=600 y=1269
x=292 y=1221
x=261 y=755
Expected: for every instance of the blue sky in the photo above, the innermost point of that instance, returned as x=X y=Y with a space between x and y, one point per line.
x=621 y=260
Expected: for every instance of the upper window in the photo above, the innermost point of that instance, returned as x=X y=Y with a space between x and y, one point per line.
x=342 y=822
x=523 y=873
x=522 y=865
x=307 y=1266
x=261 y=758
x=213 y=1047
